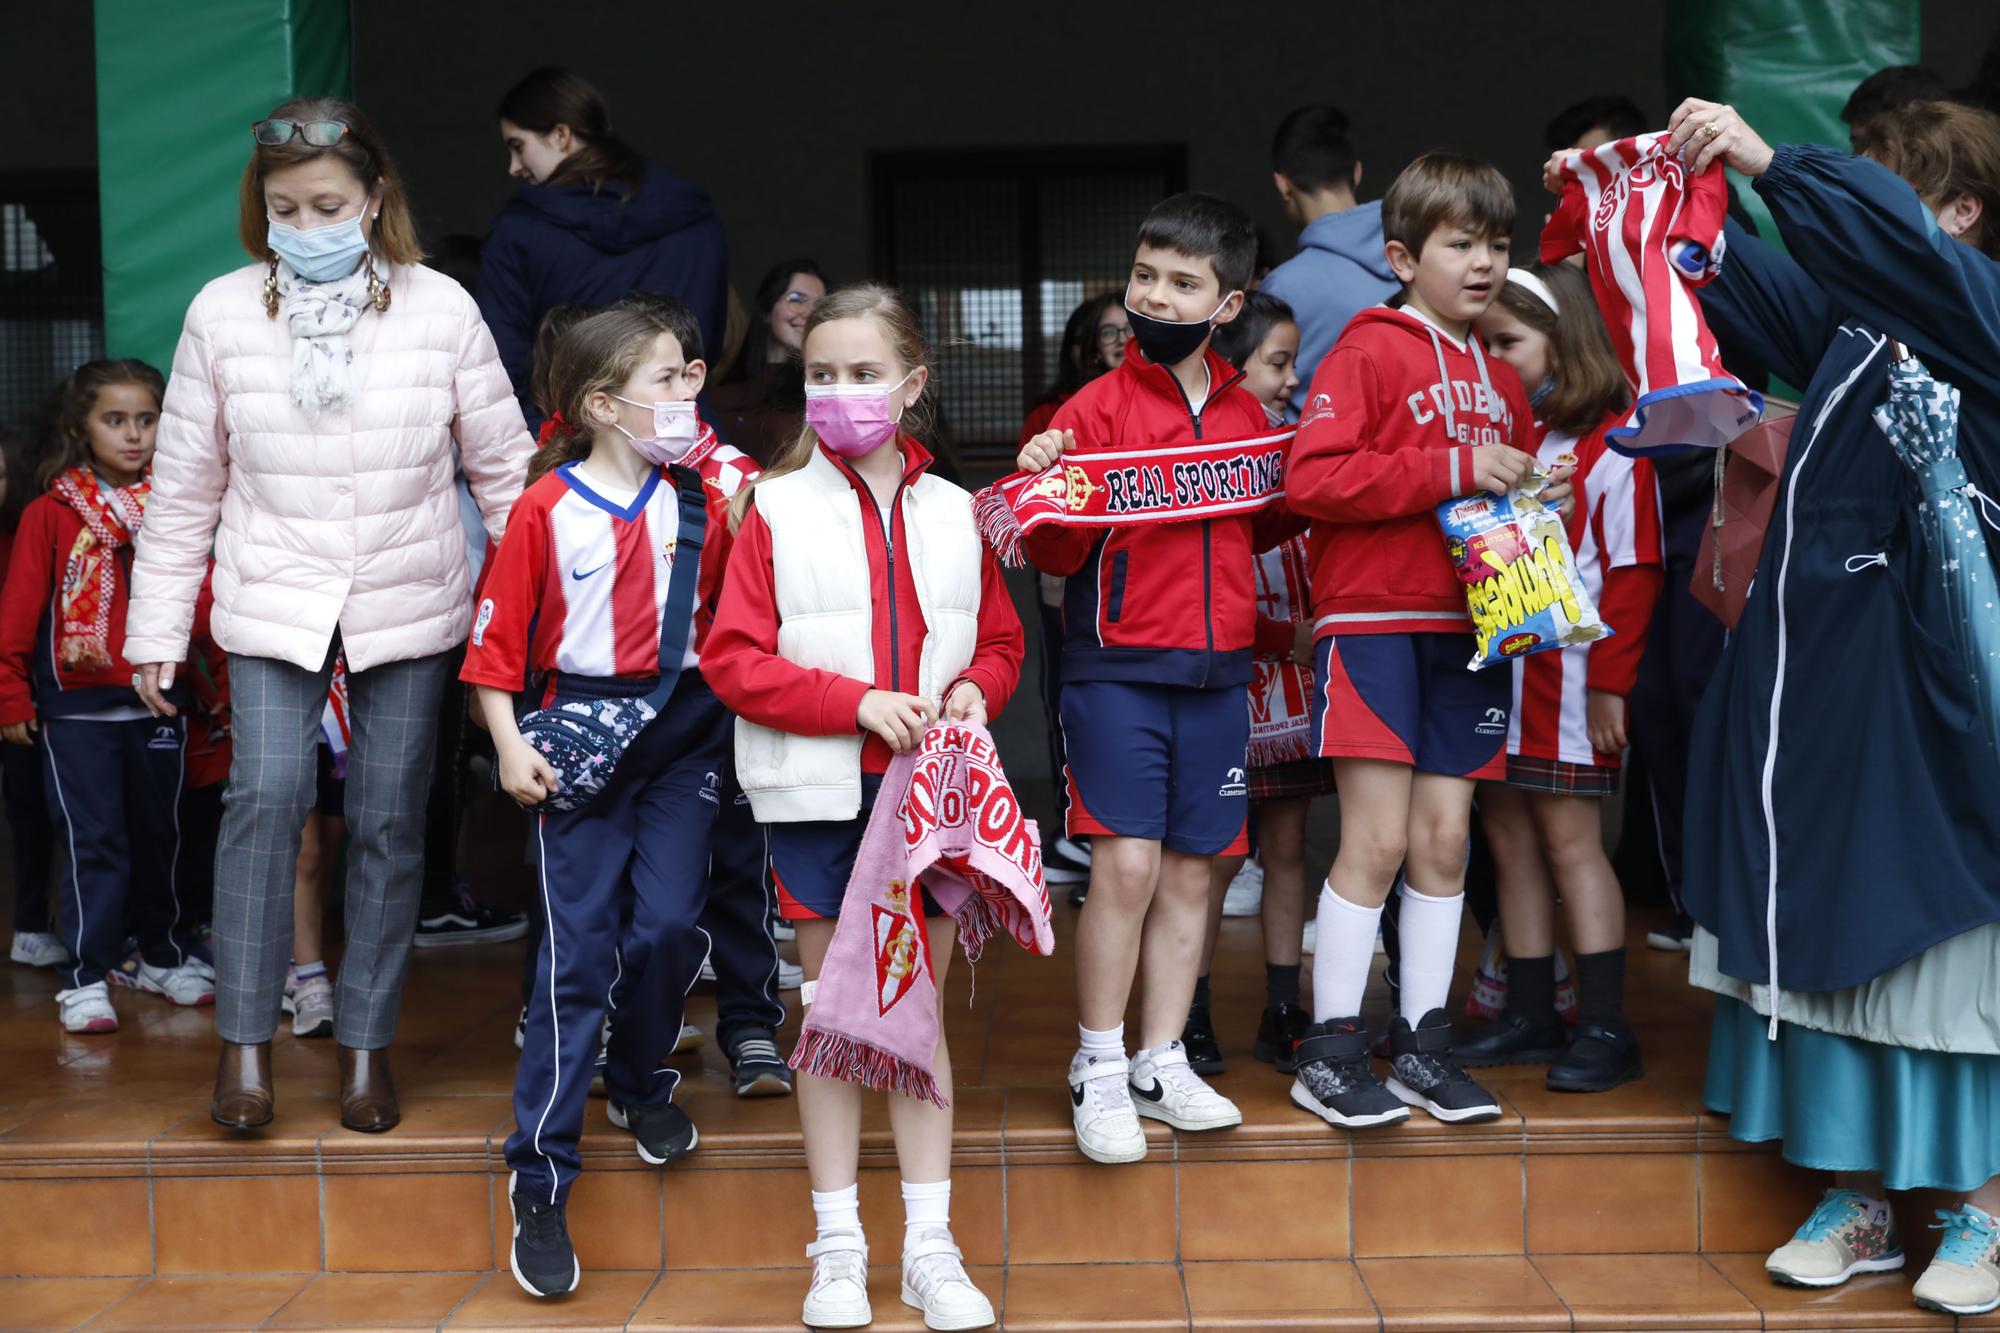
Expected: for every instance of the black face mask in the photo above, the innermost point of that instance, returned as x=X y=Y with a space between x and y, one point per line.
x=1168 y=342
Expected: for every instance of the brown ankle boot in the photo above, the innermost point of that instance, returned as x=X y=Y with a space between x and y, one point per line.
x=367 y=1093
x=243 y=1097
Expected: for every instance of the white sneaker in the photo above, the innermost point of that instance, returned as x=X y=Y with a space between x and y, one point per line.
x=521 y=1030
x=790 y=975
x=1107 y=1127
x=310 y=1003
x=184 y=984
x=1308 y=942
x=690 y=1039
x=1246 y=890
x=1165 y=1088
x=33 y=948
x=707 y=971
x=838 y=1297
x=784 y=931
x=87 y=1008
x=934 y=1281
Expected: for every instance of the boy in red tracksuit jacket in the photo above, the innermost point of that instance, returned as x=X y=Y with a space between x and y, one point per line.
x=1158 y=626
x=1405 y=413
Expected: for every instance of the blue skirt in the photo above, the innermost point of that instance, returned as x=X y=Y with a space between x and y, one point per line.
x=1922 y=1119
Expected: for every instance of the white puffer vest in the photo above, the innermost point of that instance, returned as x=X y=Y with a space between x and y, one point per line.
x=826 y=620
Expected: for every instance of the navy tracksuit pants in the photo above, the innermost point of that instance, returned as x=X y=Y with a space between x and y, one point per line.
x=113 y=791
x=741 y=903
x=638 y=852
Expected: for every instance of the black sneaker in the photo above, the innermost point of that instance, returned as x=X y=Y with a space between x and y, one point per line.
x=1598 y=1060
x=469 y=921
x=1335 y=1081
x=664 y=1133
x=1204 y=1052
x=1078 y=893
x=760 y=1071
x=1512 y=1039
x=1277 y=1033
x=1676 y=934
x=543 y=1260
x=1059 y=866
x=1424 y=1072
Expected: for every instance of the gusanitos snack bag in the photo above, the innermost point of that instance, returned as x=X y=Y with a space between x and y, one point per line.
x=1520 y=576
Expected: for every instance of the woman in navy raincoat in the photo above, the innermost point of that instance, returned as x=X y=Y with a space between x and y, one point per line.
x=1843 y=829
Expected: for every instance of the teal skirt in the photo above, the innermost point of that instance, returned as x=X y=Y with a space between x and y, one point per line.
x=1922 y=1119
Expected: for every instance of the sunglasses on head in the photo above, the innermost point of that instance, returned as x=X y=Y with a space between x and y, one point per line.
x=318 y=133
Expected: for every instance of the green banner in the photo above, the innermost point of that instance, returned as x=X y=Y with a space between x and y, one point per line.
x=177 y=89
x=1787 y=67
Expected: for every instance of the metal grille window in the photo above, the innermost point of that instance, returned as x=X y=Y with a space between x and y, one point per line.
x=995 y=249
x=51 y=287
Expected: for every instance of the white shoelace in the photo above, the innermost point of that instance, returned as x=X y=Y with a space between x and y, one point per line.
x=840 y=1265
x=757 y=1048
x=930 y=1273
x=1109 y=1094
x=1184 y=1079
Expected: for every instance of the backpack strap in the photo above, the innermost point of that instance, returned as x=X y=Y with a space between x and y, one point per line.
x=677 y=615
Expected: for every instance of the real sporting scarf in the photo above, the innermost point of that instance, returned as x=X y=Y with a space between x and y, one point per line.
x=111 y=518
x=945 y=819
x=1102 y=488
x=1281 y=689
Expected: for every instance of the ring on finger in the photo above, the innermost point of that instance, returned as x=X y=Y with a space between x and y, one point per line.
x=1710 y=130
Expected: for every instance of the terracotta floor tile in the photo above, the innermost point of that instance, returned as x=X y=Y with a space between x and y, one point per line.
x=1877 y=1301
x=55 y=1302
x=241 y=1224
x=605 y=1299
x=430 y=1124
x=1462 y=1293
x=737 y=1219
x=1090 y=1214
x=407 y=1224
x=767 y=1300
x=79 y=1119
x=206 y=1303
x=106 y=1229
x=382 y=1300
x=1095 y=1296
x=1309 y=1294
x=1484 y=1217
x=1754 y=1200
x=1251 y=1210
x=614 y=1219
x=297 y=1125
x=1646 y=1291
x=1591 y=1203
x=1633 y=1108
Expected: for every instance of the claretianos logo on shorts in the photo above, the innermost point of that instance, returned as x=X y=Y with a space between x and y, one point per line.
x=1233 y=785
x=1495 y=723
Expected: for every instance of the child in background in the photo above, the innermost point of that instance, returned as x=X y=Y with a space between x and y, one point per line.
x=1285 y=775
x=113 y=770
x=1568 y=726
x=1406 y=412
x=308 y=991
x=34 y=944
x=575 y=603
x=860 y=607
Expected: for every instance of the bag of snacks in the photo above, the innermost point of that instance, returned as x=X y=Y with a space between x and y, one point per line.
x=1520 y=576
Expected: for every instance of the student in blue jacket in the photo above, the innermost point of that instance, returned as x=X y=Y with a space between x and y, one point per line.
x=1843 y=832
x=593 y=223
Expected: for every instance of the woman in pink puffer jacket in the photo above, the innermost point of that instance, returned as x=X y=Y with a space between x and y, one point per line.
x=307 y=438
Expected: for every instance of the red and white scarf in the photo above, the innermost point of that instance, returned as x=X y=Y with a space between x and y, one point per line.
x=1281 y=689
x=111 y=519
x=946 y=820
x=1103 y=488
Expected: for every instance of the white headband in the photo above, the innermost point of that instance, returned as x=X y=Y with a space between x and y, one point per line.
x=1520 y=277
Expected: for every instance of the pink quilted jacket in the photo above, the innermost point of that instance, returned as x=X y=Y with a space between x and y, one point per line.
x=352 y=524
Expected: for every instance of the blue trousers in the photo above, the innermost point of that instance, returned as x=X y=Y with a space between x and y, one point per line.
x=741 y=903
x=638 y=853
x=113 y=789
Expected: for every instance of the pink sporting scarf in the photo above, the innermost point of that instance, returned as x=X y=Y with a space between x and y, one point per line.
x=945 y=819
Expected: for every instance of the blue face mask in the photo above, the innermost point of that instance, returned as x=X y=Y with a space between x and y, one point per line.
x=323 y=254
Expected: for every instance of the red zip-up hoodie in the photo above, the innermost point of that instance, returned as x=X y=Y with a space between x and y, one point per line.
x=741 y=661
x=1159 y=603
x=1387 y=435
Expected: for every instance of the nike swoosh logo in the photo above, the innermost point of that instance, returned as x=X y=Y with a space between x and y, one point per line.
x=1152 y=1094
x=1076 y=1093
x=581 y=574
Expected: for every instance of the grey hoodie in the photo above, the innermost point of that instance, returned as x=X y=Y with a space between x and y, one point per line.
x=1339 y=271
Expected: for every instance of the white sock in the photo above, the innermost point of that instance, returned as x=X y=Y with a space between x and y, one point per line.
x=1106 y=1045
x=837 y=1210
x=925 y=1207
x=1428 y=928
x=1345 y=952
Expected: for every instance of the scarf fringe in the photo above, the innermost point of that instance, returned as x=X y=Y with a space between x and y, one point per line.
x=1000 y=525
x=978 y=921
x=1270 y=751
x=825 y=1053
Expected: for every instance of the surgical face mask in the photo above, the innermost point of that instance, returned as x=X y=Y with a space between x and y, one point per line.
x=676 y=428
x=853 y=419
x=323 y=254
x=1168 y=342
x=1274 y=417
x=1542 y=391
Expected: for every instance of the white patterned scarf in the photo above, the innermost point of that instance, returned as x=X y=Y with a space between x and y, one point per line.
x=319 y=315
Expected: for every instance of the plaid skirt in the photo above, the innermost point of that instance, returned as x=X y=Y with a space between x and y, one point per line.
x=1556 y=778
x=1292 y=779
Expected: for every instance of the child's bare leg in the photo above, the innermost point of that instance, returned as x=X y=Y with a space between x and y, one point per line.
x=1281 y=846
x=1527 y=896
x=311 y=879
x=922 y=1130
x=1123 y=875
x=1171 y=955
x=829 y=1108
x=1434 y=898
x=1220 y=871
x=1374 y=832
x=1572 y=833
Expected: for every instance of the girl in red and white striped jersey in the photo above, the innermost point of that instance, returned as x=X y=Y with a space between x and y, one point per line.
x=1568 y=728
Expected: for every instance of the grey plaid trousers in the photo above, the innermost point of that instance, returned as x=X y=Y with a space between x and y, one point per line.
x=275 y=711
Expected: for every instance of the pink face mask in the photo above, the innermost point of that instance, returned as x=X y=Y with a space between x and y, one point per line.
x=854 y=419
